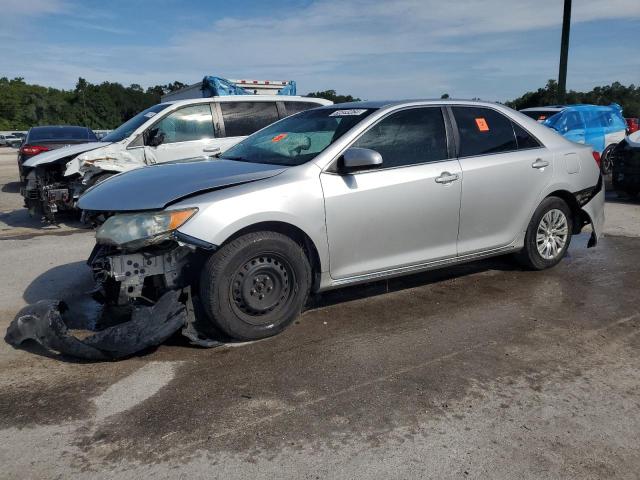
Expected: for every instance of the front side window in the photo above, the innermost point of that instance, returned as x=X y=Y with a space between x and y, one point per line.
x=483 y=131
x=131 y=125
x=408 y=137
x=185 y=125
x=297 y=139
x=245 y=118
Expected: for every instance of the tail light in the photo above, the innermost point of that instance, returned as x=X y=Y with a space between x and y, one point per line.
x=596 y=157
x=33 y=149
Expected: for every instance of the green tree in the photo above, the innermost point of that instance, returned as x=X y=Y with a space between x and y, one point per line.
x=333 y=96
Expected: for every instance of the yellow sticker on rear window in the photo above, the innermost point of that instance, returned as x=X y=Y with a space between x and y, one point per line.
x=482 y=124
x=277 y=138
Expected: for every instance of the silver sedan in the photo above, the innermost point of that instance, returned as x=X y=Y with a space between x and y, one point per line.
x=341 y=195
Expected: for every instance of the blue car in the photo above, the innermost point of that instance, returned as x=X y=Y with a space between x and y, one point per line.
x=599 y=126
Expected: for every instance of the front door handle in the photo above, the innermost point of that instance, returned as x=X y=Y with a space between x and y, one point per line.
x=446 y=177
x=211 y=149
x=539 y=163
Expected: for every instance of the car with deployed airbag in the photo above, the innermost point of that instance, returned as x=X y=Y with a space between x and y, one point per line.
x=336 y=196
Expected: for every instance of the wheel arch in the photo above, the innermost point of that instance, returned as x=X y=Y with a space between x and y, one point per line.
x=294 y=233
x=580 y=217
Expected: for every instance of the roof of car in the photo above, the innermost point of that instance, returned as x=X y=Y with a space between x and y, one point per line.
x=390 y=103
x=245 y=98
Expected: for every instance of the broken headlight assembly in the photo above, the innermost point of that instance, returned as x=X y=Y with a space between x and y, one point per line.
x=135 y=230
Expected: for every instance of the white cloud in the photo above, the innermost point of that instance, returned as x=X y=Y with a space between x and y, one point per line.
x=370 y=49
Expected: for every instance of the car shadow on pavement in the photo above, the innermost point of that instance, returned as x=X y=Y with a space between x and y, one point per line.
x=11 y=187
x=372 y=289
x=614 y=197
x=73 y=282
x=20 y=218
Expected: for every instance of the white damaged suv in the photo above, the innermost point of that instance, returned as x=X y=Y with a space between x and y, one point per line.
x=164 y=132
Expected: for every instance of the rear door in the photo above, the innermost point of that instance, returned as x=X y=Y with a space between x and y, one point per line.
x=403 y=213
x=187 y=131
x=504 y=170
x=240 y=119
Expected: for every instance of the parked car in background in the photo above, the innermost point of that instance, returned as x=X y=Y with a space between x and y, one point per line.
x=164 y=132
x=340 y=195
x=50 y=137
x=9 y=140
x=602 y=127
x=633 y=125
x=625 y=174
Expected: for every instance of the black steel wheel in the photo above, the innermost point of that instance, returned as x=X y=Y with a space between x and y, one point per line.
x=256 y=285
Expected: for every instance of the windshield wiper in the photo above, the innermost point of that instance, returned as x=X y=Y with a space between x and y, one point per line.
x=237 y=159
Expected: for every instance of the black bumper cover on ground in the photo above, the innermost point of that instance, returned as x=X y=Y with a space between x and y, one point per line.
x=147 y=327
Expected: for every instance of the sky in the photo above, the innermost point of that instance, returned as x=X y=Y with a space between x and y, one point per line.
x=491 y=49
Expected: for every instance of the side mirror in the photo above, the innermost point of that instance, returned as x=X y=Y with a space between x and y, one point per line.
x=355 y=159
x=156 y=137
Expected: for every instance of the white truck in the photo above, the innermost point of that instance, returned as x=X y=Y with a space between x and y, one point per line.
x=215 y=117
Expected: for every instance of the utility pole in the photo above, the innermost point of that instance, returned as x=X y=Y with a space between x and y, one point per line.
x=564 y=52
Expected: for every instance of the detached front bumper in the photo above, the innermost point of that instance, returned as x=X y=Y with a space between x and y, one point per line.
x=140 y=298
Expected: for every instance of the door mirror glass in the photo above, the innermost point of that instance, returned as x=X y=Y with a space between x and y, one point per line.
x=155 y=137
x=356 y=158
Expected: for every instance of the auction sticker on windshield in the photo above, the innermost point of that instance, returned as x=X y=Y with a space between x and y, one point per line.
x=350 y=112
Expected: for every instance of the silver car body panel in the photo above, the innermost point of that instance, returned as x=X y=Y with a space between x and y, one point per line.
x=392 y=221
x=171 y=182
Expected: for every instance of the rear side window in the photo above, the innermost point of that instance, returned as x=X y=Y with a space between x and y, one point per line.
x=296 y=107
x=186 y=124
x=408 y=137
x=245 y=118
x=524 y=139
x=483 y=131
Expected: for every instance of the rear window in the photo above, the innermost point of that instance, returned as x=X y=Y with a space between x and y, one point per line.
x=483 y=131
x=40 y=134
x=245 y=118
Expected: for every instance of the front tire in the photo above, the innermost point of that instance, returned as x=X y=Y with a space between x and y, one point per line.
x=256 y=285
x=548 y=235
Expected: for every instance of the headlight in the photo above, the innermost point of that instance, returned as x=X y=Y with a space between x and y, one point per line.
x=147 y=227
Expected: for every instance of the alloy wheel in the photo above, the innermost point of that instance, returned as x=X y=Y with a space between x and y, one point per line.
x=552 y=234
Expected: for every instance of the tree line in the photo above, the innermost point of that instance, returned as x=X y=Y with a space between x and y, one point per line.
x=109 y=104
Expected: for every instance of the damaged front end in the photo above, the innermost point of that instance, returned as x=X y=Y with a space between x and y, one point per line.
x=142 y=295
x=47 y=191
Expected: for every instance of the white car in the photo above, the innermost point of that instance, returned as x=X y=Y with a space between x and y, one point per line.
x=8 y=140
x=164 y=132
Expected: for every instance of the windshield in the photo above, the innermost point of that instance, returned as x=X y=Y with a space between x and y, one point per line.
x=297 y=139
x=131 y=125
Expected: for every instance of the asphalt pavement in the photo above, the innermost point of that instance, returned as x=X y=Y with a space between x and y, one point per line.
x=480 y=371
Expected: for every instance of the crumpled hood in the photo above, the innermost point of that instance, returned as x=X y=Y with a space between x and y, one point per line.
x=53 y=155
x=156 y=186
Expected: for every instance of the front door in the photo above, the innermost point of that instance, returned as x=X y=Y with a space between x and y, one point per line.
x=186 y=132
x=403 y=213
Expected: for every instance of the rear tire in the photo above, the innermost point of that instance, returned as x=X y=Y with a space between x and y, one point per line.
x=548 y=235
x=606 y=160
x=256 y=285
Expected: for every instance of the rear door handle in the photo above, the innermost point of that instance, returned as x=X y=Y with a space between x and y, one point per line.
x=446 y=177
x=539 y=163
